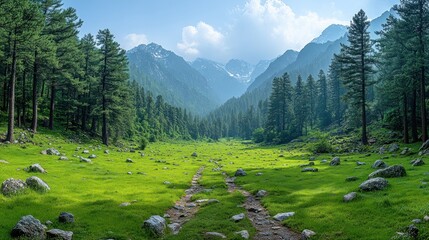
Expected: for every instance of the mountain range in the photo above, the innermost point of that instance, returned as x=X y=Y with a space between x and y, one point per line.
x=203 y=85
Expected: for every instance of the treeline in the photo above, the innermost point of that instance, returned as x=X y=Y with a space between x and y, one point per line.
x=50 y=77
x=369 y=81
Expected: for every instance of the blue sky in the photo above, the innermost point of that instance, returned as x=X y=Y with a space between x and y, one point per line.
x=220 y=29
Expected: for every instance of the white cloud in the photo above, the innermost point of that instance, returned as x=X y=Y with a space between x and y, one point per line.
x=201 y=40
x=134 y=39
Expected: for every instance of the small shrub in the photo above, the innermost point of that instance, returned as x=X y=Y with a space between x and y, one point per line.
x=258 y=135
x=143 y=143
x=322 y=146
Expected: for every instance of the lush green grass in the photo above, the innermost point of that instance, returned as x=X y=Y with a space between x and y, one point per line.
x=93 y=192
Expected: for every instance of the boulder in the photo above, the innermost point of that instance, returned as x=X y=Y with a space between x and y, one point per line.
x=129 y=160
x=85 y=160
x=238 y=217
x=393 y=148
x=424 y=146
x=406 y=151
x=261 y=193
x=51 y=151
x=307 y=234
x=283 y=216
x=12 y=186
x=240 y=172
x=36 y=168
x=37 y=184
x=174 y=228
x=382 y=150
x=29 y=228
x=63 y=158
x=379 y=164
x=308 y=169
x=214 y=235
x=92 y=156
x=350 y=197
x=85 y=151
x=335 y=161
x=360 y=163
x=155 y=225
x=417 y=162
x=66 y=217
x=243 y=234
x=374 y=184
x=59 y=234
x=389 y=172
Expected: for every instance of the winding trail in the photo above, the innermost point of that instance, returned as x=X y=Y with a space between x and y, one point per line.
x=184 y=209
x=267 y=229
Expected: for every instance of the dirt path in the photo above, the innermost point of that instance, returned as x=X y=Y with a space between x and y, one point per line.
x=267 y=229
x=185 y=209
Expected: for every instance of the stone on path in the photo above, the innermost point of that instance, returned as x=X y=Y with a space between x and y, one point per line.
x=29 y=228
x=374 y=184
x=11 y=186
x=156 y=225
x=261 y=193
x=389 y=172
x=240 y=172
x=282 y=216
x=307 y=234
x=59 y=234
x=37 y=184
x=243 y=233
x=215 y=235
x=36 y=168
x=335 y=161
x=379 y=164
x=238 y=217
x=66 y=217
x=174 y=228
x=350 y=197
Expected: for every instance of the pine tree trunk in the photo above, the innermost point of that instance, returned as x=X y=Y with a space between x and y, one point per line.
x=11 y=116
x=414 y=132
x=24 y=109
x=363 y=91
x=405 y=118
x=34 y=97
x=422 y=73
x=52 y=106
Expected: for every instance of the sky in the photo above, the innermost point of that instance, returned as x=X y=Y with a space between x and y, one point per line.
x=220 y=30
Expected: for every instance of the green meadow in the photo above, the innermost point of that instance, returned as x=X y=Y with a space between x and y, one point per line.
x=94 y=191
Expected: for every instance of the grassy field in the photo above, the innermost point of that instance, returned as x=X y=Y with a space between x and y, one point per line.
x=93 y=192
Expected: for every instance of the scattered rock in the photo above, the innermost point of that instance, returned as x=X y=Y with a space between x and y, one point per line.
x=416 y=221
x=129 y=173
x=426 y=218
x=393 y=148
x=243 y=233
x=166 y=182
x=174 y=228
x=413 y=231
x=63 y=158
x=312 y=158
x=379 y=164
x=324 y=161
x=48 y=223
x=92 y=156
x=106 y=151
x=424 y=146
x=360 y=163
x=390 y=172
x=156 y=225
x=283 y=216
x=215 y=235
x=4 y=161
x=66 y=217
x=308 y=169
x=59 y=234
x=238 y=217
x=129 y=160
x=352 y=179
x=29 y=228
x=240 y=172
x=194 y=154
x=259 y=174
x=166 y=215
x=191 y=205
x=261 y=193
x=12 y=186
x=85 y=160
x=382 y=150
x=350 y=197
x=125 y=204
x=36 y=168
x=210 y=201
x=307 y=234
x=335 y=161
x=406 y=151
x=85 y=151
x=37 y=184
x=417 y=162
x=307 y=165
x=374 y=184
x=51 y=151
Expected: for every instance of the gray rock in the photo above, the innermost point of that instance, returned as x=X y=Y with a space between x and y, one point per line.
x=155 y=225
x=85 y=160
x=215 y=235
x=307 y=165
x=324 y=161
x=352 y=179
x=424 y=146
x=210 y=201
x=174 y=228
x=417 y=162
x=66 y=217
x=129 y=173
x=335 y=161
x=63 y=158
x=92 y=156
x=48 y=223
x=360 y=163
x=379 y=164
x=283 y=216
x=389 y=172
x=4 y=162
x=51 y=151
x=12 y=186
x=307 y=234
x=194 y=154
x=308 y=169
x=416 y=221
x=426 y=218
x=243 y=233
x=85 y=151
x=29 y=228
x=350 y=197
x=382 y=150
x=413 y=231
x=37 y=184
x=312 y=158
x=240 y=172
x=406 y=151
x=374 y=184
x=106 y=151
x=124 y=204
x=393 y=148
x=129 y=160
x=261 y=193
x=238 y=217
x=36 y=168
x=59 y=234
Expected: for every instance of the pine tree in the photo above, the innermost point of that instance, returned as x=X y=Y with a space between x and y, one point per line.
x=322 y=100
x=311 y=95
x=357 y=61
x=300 y=106
x=335 y=92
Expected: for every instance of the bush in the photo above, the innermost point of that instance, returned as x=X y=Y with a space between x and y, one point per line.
x=321 y=146
x=258 y=135
x=143 y=143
